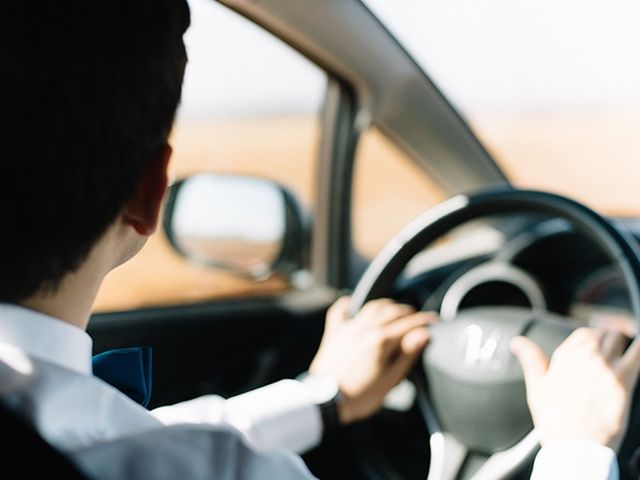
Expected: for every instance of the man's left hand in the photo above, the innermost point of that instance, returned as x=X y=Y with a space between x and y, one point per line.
x=371 y=353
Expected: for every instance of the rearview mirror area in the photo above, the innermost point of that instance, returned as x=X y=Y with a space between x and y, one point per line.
x=247 y=225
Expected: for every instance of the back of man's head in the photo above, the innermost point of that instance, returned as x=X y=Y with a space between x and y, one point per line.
x=88 y=92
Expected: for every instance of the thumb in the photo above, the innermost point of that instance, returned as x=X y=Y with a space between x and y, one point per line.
x=338 y=313
x=533 y=360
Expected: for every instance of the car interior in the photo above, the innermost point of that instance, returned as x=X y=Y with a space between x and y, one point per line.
x=492 y=259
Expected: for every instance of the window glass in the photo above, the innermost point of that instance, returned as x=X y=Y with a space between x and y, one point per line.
x=550 y=87
x=389 y=191
x=250 y=106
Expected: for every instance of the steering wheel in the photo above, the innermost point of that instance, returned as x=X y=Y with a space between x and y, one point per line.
x=471 y=391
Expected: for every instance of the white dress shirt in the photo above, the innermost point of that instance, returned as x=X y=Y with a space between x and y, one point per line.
x=46 y=371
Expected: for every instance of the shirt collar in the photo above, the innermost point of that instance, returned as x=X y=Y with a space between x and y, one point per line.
x=46 y=337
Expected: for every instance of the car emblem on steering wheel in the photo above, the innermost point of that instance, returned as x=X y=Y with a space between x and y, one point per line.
x=480 y=349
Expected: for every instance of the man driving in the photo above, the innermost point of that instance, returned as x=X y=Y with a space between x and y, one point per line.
x=90 y=91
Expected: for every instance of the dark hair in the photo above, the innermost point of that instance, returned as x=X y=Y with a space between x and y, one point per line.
x=88 y=92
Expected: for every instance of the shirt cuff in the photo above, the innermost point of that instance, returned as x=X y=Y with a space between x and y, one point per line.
x=575 y=459
x=282 y=415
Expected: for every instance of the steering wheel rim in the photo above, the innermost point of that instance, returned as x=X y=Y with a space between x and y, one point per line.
x=381 y=274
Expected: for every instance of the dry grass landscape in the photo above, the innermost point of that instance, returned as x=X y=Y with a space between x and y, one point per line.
x=589 y=155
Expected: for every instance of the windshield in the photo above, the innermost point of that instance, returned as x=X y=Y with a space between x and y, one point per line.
x=551 y=88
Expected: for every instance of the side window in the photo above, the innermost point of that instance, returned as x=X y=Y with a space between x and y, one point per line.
x=389 y=191
x=250 y=106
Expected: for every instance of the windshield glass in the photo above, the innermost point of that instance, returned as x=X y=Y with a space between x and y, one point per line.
x=551 y=88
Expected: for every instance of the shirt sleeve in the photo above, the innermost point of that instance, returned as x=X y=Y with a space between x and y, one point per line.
x=196 y=452
x=583 y=460
x=279 y=416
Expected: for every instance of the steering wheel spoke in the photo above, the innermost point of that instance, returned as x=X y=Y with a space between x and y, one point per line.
x=502 y=464
x=448 y=457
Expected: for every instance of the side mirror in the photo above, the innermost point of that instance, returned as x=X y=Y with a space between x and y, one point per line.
x=248 y=225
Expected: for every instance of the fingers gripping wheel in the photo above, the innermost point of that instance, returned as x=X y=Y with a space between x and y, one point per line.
x=472 y=395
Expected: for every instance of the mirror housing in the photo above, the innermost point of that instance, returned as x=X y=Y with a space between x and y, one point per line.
x=246 y=225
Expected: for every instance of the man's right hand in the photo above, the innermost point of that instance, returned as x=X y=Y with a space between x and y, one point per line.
x=584 y=393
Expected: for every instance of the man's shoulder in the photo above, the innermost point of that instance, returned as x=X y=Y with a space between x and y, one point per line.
x=24 y=374
x=19 y=371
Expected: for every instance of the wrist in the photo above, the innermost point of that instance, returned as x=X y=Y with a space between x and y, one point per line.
x=345 y=415
x=325 y=393
x=575 y=459
x=572 y=434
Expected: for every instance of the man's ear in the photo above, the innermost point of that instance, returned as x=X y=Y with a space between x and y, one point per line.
x=142 y=211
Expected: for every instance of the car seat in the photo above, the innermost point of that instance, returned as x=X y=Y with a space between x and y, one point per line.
x=24 y=442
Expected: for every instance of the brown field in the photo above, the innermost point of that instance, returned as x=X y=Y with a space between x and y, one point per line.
x=589 y=155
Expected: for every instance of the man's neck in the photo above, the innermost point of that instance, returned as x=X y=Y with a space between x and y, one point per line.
x=73 y=300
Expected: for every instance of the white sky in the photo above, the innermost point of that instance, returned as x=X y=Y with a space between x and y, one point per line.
x=483 y=54
x=506 y=53
x=235 y=68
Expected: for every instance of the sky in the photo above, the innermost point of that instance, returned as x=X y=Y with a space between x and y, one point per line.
x=490 y=54
x=506 y=53
x=237 y=69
